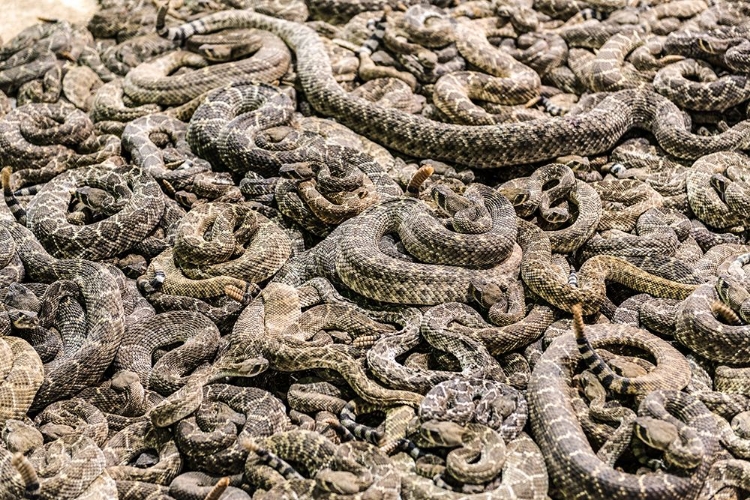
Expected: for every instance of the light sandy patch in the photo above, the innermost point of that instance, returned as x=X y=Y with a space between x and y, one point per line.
x=20 y=14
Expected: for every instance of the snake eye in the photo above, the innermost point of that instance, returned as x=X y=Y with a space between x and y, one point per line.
x=439 y=193
x=724 y=288
x=299 y=171
x=705 y=46
x=253 y=366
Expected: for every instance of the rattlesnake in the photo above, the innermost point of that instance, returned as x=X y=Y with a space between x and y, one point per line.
x=149 y=82
x=587 y=133
x=138 y=207
x=212 y=286
x=104 y=322
x=572 y=465
x=351 y=254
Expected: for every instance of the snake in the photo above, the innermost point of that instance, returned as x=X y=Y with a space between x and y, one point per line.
x=364 y=270
x=575 y=473
x=104 y=322
x=148 y=82
x=588 y=133
x=332 y=250
x=134 y=192
x=45 y=141
x=168 y=374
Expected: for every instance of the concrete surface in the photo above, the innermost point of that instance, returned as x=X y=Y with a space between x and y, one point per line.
x=19 y=14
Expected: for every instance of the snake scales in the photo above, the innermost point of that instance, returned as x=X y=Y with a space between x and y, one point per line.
x=331 y=250
x=590 y=133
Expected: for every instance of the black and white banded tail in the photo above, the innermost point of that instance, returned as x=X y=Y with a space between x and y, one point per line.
x=593 y=362
x=10 y=198
x=272 y=460
x=33 y=489
x=376 y=37
x=348 y=418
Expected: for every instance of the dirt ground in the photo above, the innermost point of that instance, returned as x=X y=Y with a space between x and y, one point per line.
x=19 y=14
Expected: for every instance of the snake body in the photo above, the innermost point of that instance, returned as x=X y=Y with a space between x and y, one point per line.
x=331 y=249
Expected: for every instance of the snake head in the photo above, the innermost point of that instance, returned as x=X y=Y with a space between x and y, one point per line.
x=448 y=434
x=682 y=446
x=712 y=45
x=124 y=379
x=18 y=296
x=427 y=58
x=53 y=431
x=731 y=292
x=556 y=215
x=297 y=171
x=486 y=293
x=23 y=320
x=591 y=387
x=447 y=199
x=20 y=436
x=215 y=414
x=149 y=285
x=342 y=482
x=741 y=424
x=247 y=368
x=516 y=196
x=216 y=52
x=99 y=200
x=656 y=433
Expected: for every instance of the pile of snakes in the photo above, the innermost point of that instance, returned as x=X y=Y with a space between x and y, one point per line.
x=377 y=249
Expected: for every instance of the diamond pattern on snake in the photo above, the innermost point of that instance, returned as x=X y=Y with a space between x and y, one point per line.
x=376 y=249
